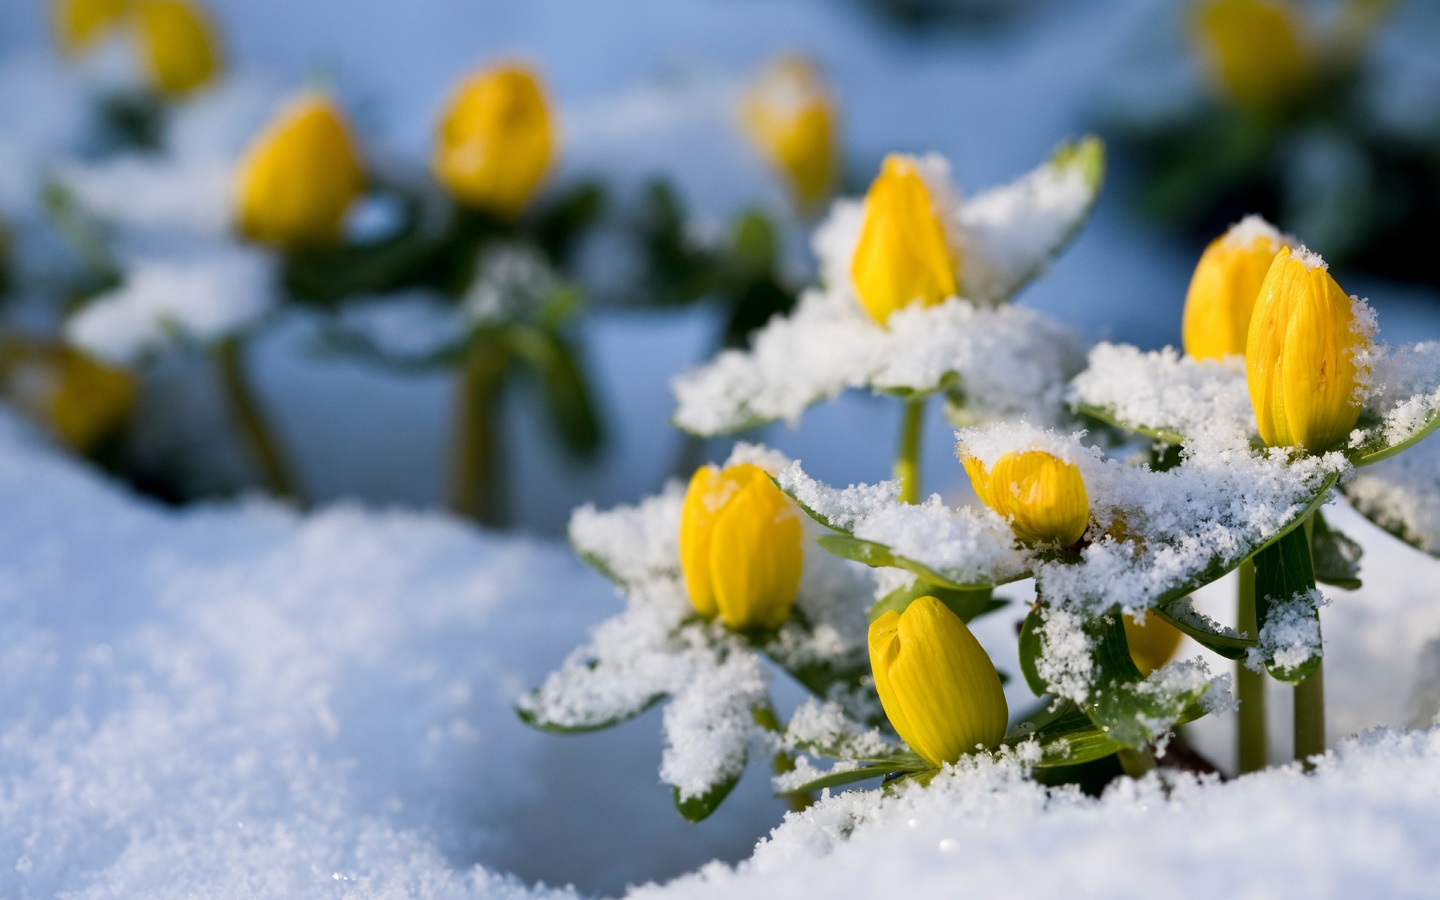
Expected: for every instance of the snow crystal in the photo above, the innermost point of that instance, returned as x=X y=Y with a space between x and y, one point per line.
x=204 y=298
x=1065 y=662
x=155 y=191
x=1405 y=393
x=1253 y=227
x=1310 y=258
x=825 y=726
x=710 y=722
x=1291 y=633
x=512 y=283
x=1166 y=393
x=1011 y=362
x=1402 y=495
x=991 y=442
x=1363 y=823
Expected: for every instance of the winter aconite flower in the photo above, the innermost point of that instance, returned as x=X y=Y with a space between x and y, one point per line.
x=1043 y=496
x=740 y=547
x=1254 y=51
x=938 y=687
x=80 y=23
x=903 y=257
x=495 y=141
x=1300 y=358
x=299 y=176
x=1223 y=289
x=1151 y=644
x=178 y=44
x=80 y=400
x=790 y=116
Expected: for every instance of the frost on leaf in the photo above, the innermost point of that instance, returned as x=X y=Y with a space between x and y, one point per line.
x=1402 y=495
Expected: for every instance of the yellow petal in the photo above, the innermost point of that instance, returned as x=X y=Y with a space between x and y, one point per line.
x=79 y=24
x=979 y=478
x=936 y=683
x=1222 y=293
x=1151 y=644
x=178 y=43
x=790 y=116
x=495 y=140
x=1254 y=52
x=1300 y=357
x=902 y=257
x=299 y=176
x=1042 y=495
x=756 y=555
x=697 y=517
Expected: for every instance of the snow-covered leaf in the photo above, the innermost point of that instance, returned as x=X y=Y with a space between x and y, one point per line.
x=1287 y=608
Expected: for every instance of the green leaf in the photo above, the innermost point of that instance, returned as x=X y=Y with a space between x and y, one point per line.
x=1283 y=577
x=878 y=555
x=1184 y=617
x=901 y=764
x=1030 y=652
x=1375 y=450
x=1107 y=415
x=564 y=386
x=968 y=604
x=538 y=723
x=1336 y=557
x=1070 y=738
x=697 y=809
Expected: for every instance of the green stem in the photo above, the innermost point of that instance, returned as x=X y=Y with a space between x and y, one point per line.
x=474 y=448
x=1135 y=763
x=782 y=762
x=1310 y=716
x=1252 y=743
x=258 y=437
x=907 y=463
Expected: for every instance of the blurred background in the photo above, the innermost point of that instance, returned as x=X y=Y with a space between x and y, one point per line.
x=663 y=233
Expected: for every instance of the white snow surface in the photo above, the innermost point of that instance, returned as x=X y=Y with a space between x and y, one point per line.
x=202 y=297
x=1363 y=824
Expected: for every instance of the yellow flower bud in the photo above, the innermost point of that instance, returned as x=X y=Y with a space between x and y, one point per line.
x=1224 y=287
x=903 y=257
x=79 y=399
x=1151 y=644
x=790 y=116
x=79 y=24
x=495 y=140
x=938 y=687
x=1254 y=51
x=178 y=43
x=1043 y=496
x=1300 y=356
x=740 y=547
x=299 y=176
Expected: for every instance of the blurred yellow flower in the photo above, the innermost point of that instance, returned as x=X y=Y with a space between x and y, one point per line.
x=1224 y=287
x=903 y=257
x=790 y=117
x=178 y=43
x=299 y=176
x=79 y=399
x=740 y=547
x=79 y=24
x=495 y=140
x=1300 y=357
x=1254 y=50
x=1043 y=496
x=1151 y=644
x=938 y=687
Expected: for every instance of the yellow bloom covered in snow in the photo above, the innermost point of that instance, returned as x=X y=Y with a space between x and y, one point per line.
x=1043 y=496
x=740 y=547
x=1223 y=289
x=903 y=257
x=1300 y=357
x=178 y=43
x=1254 y=51
x=1151 y=644
x=495 y=140
x=790 y=116
x=299 y=176
x=80 y=23
x=938 y=686
x=78 y=398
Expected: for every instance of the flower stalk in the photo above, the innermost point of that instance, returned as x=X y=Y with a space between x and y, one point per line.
x=1310 y=716
x=255 y=430
x=475 y=440
x=1252 y=751
x=907 y=461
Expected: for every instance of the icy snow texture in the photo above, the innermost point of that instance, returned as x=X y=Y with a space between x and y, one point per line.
x=1010 y=362
x=1363 y=824
x=238 y=702
x=1164 y=392
x=659 y=648
x=205 y=297
x=1291 y=633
